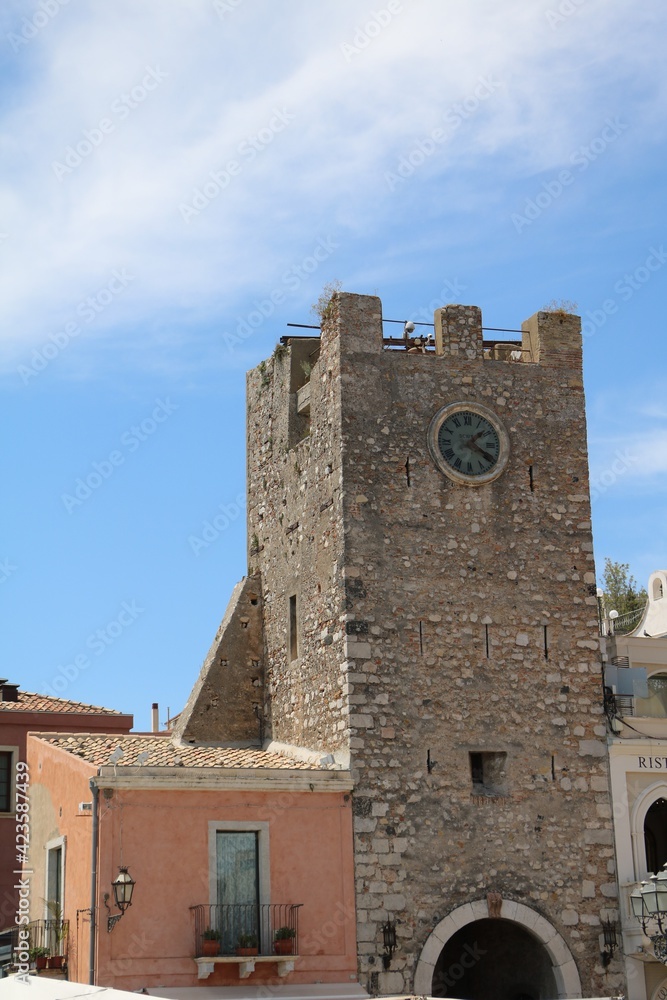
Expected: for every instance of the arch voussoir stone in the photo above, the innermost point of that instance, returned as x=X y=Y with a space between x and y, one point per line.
x=563 y=964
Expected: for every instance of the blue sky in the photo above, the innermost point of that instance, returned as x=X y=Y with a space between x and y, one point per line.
x=170 y=165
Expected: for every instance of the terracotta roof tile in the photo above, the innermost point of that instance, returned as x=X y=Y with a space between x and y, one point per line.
x=28 y=702
x=157 y=750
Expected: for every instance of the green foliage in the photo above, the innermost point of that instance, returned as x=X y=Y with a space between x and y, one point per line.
x=620 y=589
x=279 y=352
x=562 y=306
x=210 y=934
x=247 y=941
x=284 y=933
x=321 y=307
x=265 y=375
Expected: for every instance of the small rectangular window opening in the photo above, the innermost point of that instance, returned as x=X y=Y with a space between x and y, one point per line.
x=488 y=773
x=293 y=630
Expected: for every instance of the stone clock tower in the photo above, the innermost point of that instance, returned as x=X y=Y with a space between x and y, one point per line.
x=419 y=528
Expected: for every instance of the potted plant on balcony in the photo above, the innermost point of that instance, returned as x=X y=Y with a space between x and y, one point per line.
x=246 y=944
x=283 y=940
x=39 y=956
x=210 y=943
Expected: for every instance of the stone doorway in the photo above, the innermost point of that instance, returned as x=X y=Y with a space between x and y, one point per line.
x=517 y=955
x=494 y=960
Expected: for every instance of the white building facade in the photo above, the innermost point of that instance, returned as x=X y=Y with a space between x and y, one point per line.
x=636 y=707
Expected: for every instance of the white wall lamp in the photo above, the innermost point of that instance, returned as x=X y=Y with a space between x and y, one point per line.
x=649 y=906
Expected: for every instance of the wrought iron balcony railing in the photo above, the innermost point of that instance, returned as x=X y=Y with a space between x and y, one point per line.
x=50 y=934
x=261 y=929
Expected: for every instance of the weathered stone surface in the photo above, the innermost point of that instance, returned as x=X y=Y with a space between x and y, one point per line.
x=228 y=695
x=480 y=634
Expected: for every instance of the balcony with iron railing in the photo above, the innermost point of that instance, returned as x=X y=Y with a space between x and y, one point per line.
x=621 y=624
x=46 y=947
x=243 y=934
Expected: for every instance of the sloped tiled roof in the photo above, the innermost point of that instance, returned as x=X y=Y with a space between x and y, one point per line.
x=155 y=750
x=28 y=702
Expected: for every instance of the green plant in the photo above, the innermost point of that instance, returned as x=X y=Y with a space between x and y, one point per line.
x=561 y=306
x=254 y=544
x=247 y=941
x=39 y=952
x=284 y=933
x=306 y=368
x=321 y=308
x=211 y=934
x=279 y=352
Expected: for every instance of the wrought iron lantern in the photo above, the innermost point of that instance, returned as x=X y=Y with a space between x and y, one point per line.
x=649 y=906
x=389 y=941
x=123 y=888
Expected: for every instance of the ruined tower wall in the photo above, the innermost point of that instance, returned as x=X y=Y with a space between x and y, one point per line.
x=295 y=539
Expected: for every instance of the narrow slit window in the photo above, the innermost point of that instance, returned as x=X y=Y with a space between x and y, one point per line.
x=293 y=629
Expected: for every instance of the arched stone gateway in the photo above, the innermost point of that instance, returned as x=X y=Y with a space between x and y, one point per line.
x=517 y=956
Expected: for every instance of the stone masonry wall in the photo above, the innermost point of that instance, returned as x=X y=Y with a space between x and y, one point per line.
x=438 y=620
x=229 y=691
x=295 y=541
x=479 y=617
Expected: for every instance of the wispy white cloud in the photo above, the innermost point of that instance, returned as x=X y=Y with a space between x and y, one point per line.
x=353 y=119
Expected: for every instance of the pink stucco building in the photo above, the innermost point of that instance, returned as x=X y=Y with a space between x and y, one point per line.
x=20 y=713
x=243 y=842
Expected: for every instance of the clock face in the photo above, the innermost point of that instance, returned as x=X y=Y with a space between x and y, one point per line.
x=468 y=443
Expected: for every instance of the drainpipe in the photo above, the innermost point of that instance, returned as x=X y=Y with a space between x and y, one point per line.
x=93 y=883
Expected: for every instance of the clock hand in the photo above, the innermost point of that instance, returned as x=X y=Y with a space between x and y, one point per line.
x=473 y=444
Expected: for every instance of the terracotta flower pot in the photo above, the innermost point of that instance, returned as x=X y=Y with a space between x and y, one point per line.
x=40 y=962
x=247 y=951
x=209 y=947
x=284 y=946
x=55 y=962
